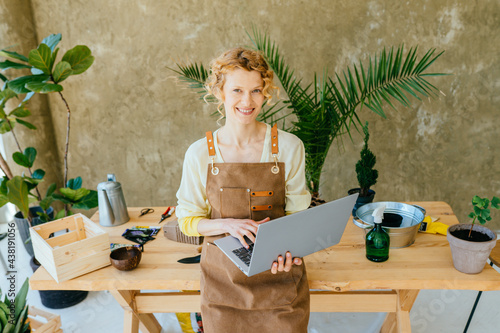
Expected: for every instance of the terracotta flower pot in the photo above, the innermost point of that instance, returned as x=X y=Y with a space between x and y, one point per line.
x=469 y=256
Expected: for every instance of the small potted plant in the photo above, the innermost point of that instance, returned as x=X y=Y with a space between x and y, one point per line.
x=366 y=174
x=471 y=244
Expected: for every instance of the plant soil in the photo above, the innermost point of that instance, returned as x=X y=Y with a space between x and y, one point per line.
x=475 y=235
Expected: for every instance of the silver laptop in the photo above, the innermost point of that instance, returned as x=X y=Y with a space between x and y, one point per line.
x=301 y=233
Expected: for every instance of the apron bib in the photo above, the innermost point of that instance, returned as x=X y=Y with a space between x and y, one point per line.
x=231 y=301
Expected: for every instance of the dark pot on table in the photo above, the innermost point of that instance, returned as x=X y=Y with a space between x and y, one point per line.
x=58 y=299
x=361 y=200
x=23 y=225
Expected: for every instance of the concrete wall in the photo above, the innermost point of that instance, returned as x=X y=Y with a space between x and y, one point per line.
x=130 y=118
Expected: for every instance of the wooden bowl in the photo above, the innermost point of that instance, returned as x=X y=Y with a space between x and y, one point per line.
x=125 y=258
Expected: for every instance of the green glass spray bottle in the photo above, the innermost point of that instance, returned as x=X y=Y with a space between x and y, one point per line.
x=377 y=240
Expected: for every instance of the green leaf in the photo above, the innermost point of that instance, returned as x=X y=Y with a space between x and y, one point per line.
x=10 y=64
x=3 y=185
x=74 y=195
x=62 y=71
x=495 y=202
x=79 y=58
x=87 y=202
x=52 y=40
x=20 y=299
x=74 y=183
x=472 y=215
x=20 y=159
x=3 y=200
x=15 y=55
x=18 y=84
x=25 y=123
x=476 y=200
x=18 y=194
x=62 y=198
x=41 y=58
x=6 y=94
x=4 y=126
x=26 y=159
x=51 y=190
x=3 y=316
x=38 y=174
x=43 y=216
x=30 y=153
x=3 y=78
x=20 y=112
x=59 y=215
x=485 y=214
x=45 y=203
x=44 y=88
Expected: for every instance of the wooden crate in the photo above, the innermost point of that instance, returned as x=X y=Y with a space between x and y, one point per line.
x=83 y=249
x=43 y=321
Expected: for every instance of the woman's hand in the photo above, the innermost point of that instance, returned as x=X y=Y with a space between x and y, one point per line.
x=240 y=228
x=285 y=265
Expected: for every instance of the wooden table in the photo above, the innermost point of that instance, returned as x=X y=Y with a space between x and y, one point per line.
x=346 y=280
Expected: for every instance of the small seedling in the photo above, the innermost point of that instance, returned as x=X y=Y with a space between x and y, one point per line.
x=481 y=211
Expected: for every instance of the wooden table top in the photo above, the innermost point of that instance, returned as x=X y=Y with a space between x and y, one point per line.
x=427 y=264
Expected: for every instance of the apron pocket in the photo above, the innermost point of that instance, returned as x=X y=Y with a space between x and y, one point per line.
x=235 y=202
x=225 y=284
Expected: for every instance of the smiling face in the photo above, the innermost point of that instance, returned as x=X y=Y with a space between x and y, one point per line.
x=242 y=96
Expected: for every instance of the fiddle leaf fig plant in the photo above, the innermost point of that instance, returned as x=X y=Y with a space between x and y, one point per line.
x=46 y=76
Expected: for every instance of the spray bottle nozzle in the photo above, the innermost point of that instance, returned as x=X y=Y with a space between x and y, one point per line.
x=378 y=214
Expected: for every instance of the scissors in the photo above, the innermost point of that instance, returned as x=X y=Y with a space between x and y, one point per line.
x=145 y=211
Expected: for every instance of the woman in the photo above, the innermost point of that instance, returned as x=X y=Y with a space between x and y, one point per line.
x=243 y=174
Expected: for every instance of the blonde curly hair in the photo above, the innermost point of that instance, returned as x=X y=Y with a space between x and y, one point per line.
x=242 y=58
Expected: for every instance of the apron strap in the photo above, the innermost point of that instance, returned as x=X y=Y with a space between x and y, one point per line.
x=274 y=139
x=274 y=148
x=211 y=151
x=210 y=143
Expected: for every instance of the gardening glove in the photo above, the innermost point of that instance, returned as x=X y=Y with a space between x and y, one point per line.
x=430 y=226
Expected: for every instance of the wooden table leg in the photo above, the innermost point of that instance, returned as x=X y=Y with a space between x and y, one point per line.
x=400 y=320
x=133 y=320
x=130 y=322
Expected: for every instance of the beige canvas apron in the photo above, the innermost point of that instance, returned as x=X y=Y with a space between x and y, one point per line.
x=231 y=301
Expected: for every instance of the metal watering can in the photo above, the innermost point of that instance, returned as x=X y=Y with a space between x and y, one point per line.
x=112 y=206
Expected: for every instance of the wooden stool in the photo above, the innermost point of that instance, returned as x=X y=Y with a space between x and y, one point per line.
x=495 y=260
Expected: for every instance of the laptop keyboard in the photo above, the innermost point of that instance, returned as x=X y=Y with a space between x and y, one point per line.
x=244 y=254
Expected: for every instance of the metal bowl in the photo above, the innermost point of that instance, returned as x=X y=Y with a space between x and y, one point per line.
x=401 y=236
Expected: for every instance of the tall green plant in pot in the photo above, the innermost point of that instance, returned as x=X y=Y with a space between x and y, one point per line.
x=326 y=108
x=366 y=174
x=46 y=75
x=471 y=244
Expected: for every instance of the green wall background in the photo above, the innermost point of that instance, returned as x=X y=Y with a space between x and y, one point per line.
x=129 y=116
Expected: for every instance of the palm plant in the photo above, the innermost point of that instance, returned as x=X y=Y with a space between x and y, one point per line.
x=328 y=107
